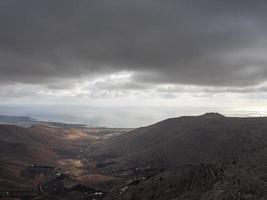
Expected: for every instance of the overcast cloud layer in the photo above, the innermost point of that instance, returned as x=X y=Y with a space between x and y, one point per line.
x=220 y=43
x=79 y=50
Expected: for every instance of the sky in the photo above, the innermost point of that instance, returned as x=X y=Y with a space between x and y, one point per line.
x=130 y=63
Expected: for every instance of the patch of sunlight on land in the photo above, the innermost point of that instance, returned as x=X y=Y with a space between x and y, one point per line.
x=76 y=134
x=71 y=165
x=71 y=162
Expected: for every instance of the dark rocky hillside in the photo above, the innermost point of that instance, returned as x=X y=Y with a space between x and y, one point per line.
x=203 y=157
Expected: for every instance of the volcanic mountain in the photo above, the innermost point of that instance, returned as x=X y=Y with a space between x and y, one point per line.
x=187 y=140
x=199 y=157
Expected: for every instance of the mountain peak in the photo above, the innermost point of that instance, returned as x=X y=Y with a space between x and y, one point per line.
x=213 y=115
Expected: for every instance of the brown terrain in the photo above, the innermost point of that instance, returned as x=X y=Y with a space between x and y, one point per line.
x=51 y=156
x=205 y=157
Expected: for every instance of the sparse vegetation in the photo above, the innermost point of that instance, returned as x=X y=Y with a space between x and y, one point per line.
x=188 y=158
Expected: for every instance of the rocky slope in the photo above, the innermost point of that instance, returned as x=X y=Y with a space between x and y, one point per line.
x=203 y=157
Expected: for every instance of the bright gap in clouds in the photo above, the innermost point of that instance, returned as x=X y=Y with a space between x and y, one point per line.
x=118 y=100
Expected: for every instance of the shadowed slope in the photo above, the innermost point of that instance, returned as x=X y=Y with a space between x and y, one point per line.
x=186 y=140
x=204 y=157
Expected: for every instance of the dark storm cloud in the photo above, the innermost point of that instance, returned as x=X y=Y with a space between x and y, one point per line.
x=212 y=42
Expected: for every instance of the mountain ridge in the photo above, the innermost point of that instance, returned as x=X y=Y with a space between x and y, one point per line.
x=203 y=157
